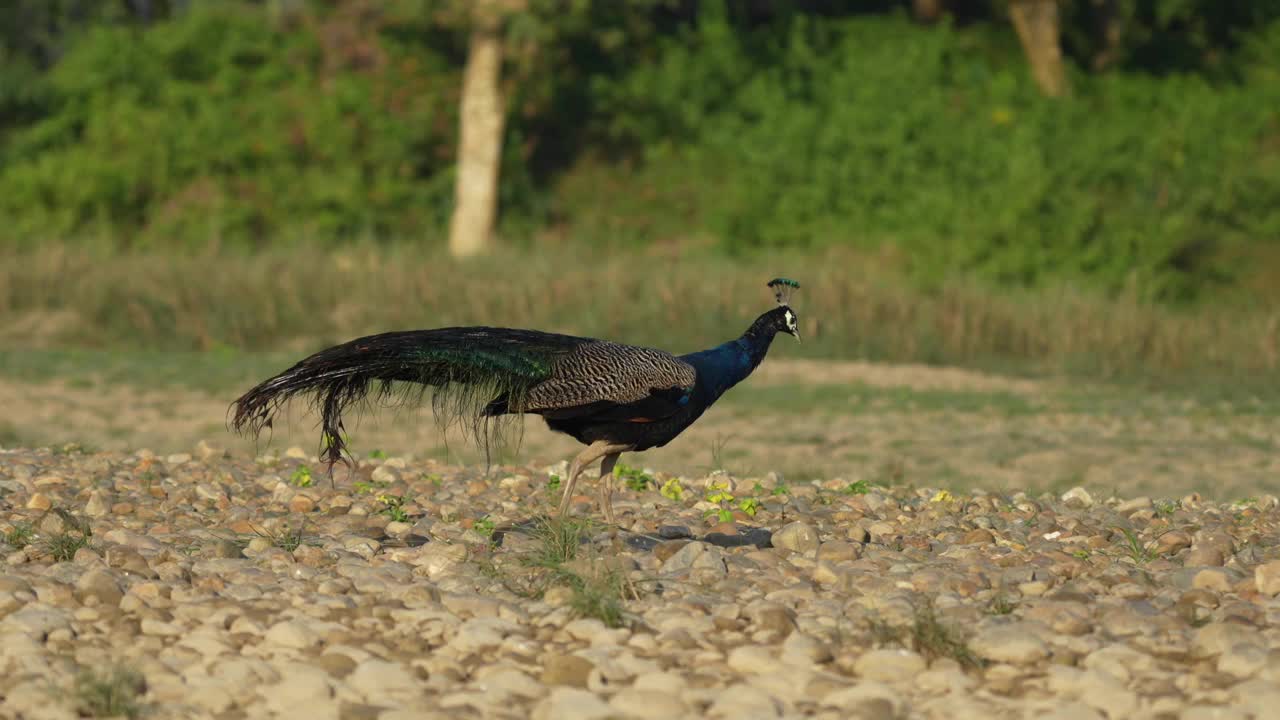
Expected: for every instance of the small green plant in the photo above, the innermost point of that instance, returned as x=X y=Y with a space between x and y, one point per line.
x=634 y=478
x=187 y=549
x=484 y=526
x=933 y=639
x=559 y=540
x=1001 y=605
x=750 y=506
x=368 y=487
x=393 y=507
x=1199 y=621
x=927 y=635
x=718 y=493
x=781 y=490
x=376 y=454
x=1166 y=508
x=287 y=538
x=882 y=633
x=596 y=589
x=436 y=479
x=301 y=477
x=62 y=546
x=721 y=514
x=597 y=592
x=20 y=535
x=859 y=487
x=73 y=448
x=672 y=490
x=1081 y=554
x=111 y=692
x=1134 y=548
x=553 y=483
x=599 y=597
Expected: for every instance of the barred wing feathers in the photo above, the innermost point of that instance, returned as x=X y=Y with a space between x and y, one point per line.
x=605 y=373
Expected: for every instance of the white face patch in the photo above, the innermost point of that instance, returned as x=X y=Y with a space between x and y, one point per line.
x=791 y=320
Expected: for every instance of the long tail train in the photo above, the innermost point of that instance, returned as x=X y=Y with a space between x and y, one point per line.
x=471 y=371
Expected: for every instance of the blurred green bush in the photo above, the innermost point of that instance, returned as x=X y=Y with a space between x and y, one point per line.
x=869 y=131
x=230 y=123
x=220 y=124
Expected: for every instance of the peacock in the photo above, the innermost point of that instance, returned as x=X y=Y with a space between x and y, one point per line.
x=611 y=397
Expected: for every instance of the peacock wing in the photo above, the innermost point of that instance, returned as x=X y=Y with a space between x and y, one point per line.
x=599 y=376
x=658 y=405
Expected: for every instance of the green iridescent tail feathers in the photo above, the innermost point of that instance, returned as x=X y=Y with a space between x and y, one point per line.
x=467 y=370
x=782 y=289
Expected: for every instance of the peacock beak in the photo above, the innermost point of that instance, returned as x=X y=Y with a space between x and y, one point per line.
x=796 y=334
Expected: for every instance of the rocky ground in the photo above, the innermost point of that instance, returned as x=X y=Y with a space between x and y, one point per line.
x=207 y=585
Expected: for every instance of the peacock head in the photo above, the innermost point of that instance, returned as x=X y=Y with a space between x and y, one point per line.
x=783 y=316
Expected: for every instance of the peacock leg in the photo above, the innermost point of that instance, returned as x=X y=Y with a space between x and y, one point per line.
x=590 y=454
x=606 y=486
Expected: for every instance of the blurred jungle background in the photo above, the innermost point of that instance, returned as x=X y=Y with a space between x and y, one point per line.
x=1063 y=192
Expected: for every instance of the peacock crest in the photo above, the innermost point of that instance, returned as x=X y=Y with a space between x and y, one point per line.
x=782 y=289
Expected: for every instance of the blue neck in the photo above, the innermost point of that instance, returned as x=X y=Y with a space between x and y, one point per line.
x=724 y=366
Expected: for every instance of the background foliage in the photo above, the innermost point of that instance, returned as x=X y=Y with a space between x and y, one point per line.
x=729 y=127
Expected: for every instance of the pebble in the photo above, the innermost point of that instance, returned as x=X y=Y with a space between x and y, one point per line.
x=1009 y=644
x=292 y=634
x=382 y=682
x=1243 y=660
x=890 y=665
x=696 y=556
x=744 y=701
x=838 y=551
x=759 y=617
x=568 y=670
x=101 y=585
x=978 y=536
x=798 y=537
x=1077 y=497
x=648 y=704
x=1216 y=638
x=752 y=659
x=39 y=501
x=867 y=699
x=566 y=703
x=1267 y=578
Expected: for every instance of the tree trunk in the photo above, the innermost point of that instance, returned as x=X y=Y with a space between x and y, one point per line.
x=480 y=125
x=1039 y=31
x=927 y=11
x=1110 y=30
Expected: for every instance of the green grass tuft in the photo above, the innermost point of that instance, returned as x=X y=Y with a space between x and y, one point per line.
x=933 y=639
x=62 y=545
x=927 y=635
x=20 y=535
x=287 y=538
x=110 y=692
x=1133 y=548
x=597 y=590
